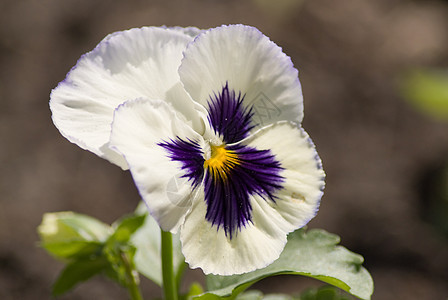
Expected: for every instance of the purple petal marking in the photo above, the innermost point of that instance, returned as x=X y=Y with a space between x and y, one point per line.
x=227 y=197
x=189 y=153
x=228 y=116
x=241 y=172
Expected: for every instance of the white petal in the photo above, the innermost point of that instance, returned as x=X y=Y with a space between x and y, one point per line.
x=298 y=202
x=251 y=64
x=124 y=66
x=256 y=246
x=137 y=128
x=260 y=242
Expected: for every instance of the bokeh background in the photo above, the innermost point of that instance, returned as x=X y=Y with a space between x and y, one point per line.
x=377 y=149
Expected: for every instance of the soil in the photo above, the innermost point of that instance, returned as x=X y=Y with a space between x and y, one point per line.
x=376 y=149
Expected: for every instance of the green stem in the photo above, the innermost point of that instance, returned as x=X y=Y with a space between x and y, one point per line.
x=180 y=273
x=169 y=281
x=131 y=279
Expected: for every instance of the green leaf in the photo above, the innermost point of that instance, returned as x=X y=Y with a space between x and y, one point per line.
x=314 y=254
x=257 y=295
x=323 y=293
x=194 y=290
x=127 y=226
x=78 y=271
x=73 y=249
x=148 y=243
x=91 y=247
x=67 y=234
x=427 y=90
x=121 y=261
x=251 y=295
x=119 y=250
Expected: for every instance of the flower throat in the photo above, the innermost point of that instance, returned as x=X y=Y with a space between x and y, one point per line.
x=221 y=162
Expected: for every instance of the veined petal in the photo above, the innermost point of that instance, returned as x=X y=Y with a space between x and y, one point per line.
x=234 y=174
x=251 y=64
x=214 y=252
x=298 y=201
x=126 y=65
x=138 y=129
x=228 y=117
x=292 y=202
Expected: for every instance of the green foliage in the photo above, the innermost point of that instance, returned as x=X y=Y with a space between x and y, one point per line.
x=314 y=254
x=257 y=295
x=78 y=271
x=323 y=293
x=427 y=90
x=90 y=247
x=68 y=235
x=133 y=243
x=195 y=290
x=148 y=243
x=126 y=227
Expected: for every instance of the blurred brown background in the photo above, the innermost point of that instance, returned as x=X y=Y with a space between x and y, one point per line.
x=376 y=149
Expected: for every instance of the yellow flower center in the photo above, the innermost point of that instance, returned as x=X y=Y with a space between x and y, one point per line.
x=221 y=161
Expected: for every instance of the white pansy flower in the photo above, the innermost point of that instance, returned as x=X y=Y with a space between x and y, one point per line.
x=208 y=122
